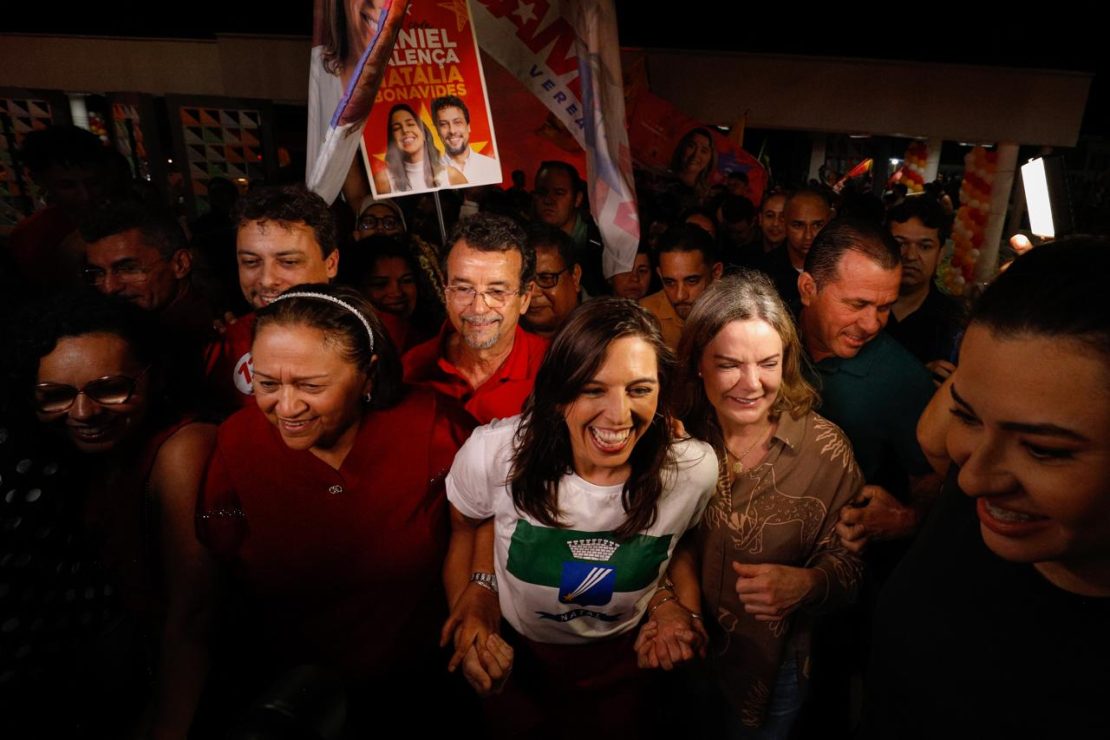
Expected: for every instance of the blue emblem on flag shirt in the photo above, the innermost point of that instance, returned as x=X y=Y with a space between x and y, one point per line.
x=587 y=584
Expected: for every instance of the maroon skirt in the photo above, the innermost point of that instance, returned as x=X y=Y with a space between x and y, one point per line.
x=559 y=689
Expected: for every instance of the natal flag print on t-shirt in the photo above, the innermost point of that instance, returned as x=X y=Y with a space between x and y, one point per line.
x=586 y=568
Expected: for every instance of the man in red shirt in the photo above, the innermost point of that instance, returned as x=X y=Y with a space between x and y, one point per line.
x=284 y=237
x=482 y=358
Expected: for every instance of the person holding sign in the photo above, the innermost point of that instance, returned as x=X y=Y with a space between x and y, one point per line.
x=413 y=162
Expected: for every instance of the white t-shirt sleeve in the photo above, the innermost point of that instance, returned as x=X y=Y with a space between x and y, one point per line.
x=697 y=471
x=470 y=487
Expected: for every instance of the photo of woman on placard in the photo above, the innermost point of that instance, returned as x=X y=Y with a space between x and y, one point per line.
x=413 y=162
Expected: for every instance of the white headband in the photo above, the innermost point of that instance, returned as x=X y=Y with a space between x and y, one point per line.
x=338 y=302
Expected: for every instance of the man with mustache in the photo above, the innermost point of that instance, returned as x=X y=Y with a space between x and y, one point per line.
x=687 y=264
x=452 y=119
x=482 y=358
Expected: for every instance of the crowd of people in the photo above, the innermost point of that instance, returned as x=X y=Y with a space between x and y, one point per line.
x=297 y=465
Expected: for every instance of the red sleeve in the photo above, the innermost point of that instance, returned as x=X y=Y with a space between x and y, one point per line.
x=453 y=426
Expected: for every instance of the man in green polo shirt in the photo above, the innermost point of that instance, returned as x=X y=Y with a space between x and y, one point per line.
x=870 y=386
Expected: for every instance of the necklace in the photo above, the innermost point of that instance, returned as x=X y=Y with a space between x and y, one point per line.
x=738 y=466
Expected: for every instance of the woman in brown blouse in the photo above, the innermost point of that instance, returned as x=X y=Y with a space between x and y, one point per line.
x=768 y=555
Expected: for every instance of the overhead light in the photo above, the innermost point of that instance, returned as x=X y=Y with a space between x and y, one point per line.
x=1046 y=196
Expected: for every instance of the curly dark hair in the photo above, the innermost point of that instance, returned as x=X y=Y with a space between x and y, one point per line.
x=287 y=206
x=488 y=232
x=450 y=101
x=358 y=261
x=543 y=454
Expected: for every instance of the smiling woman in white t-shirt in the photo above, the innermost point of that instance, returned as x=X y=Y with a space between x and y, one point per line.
x=590 y=494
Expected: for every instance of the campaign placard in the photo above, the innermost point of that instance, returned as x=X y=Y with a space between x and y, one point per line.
x=430 y=127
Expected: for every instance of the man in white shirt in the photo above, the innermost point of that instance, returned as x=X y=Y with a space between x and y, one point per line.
x=452 y=119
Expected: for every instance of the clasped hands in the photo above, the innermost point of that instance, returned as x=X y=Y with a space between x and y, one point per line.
x=672 y=635
x=485 y=657
x=769 y=592
x=874 y=515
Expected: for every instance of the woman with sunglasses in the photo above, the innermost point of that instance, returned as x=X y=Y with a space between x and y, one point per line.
x=99 y=383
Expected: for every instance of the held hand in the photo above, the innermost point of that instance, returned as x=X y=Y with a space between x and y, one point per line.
x=670 y=637
x=771 y=592
x=473 y=620
x=874 y=515
x=487 y=668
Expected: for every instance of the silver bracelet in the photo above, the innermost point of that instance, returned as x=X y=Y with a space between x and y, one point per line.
x=487 y=581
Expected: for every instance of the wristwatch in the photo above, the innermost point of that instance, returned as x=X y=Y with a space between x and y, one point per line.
x=487 y=581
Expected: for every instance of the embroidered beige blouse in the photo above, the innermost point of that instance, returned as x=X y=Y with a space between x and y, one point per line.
x=783 y=511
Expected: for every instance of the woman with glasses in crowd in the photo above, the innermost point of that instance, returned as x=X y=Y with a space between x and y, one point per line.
x=100 y=383
x=589 y=493
x=325 y=502
x=769 y=557
x=379 y=218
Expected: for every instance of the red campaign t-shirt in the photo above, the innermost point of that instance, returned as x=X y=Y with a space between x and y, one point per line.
x=500 y=397
x=343 y=567
x=228 y=369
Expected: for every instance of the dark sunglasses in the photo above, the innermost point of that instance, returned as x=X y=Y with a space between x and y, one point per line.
x=111 y=390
